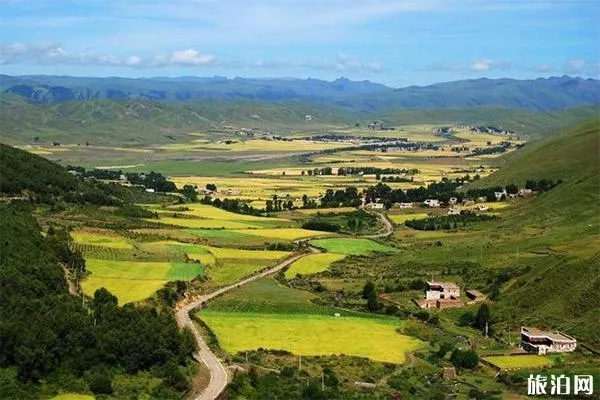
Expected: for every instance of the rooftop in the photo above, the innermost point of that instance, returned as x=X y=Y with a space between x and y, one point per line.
x=552 y=335
x=445 y=285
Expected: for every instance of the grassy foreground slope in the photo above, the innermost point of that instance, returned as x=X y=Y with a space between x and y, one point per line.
x=564 y=288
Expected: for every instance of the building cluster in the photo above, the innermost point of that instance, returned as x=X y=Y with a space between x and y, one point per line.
x=443 y=295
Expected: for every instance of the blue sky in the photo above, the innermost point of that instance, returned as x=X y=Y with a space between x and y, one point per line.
x=395 y=42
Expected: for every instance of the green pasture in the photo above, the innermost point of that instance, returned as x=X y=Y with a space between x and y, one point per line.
x=312 y=264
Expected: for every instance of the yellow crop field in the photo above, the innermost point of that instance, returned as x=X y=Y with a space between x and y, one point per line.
x=73 y=396
x=203 y=258
x=221 y=252
x=519 y=361
x=210 y=212
x=309 y=334
x=283 y=233
x=205 y=223
x=312 y=264
x=480 y=139
x=101 y=238
x=402 y=218
x=339 y=210
x=273 y=145
x=126 y=290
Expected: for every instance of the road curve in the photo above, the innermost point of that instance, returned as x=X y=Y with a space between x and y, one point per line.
x=218 y=374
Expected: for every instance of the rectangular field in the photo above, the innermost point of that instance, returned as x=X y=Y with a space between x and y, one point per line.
x=287 y=234
x=351 y=246
x=309 y=334
x=312 y=264
x=519 y=361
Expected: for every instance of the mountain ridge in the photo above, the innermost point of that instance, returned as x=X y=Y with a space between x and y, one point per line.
x=357 y=96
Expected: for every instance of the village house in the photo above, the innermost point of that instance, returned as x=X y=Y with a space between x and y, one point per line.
x=500 y=195
x=453 y=211
x=374 y=206
x=431 y=203
x=406 y=205
x=525 y=192
x=468 y=202
x=122 y=177
x=537 y=341
x=150 y=190
x=481 y=207
x=453 y=201
x=482 y=199
x=440 y=295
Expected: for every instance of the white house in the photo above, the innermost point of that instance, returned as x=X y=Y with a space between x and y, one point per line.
x=150 y=190
x=453 y=200
x=432 y=203
x=538 y=341
x=374 y=206
x=453 y=211
x=406 y=205
x=442 y=290
x=481 y=207
x=499 y=195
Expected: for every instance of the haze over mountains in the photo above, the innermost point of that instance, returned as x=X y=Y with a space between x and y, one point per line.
x=364 y=96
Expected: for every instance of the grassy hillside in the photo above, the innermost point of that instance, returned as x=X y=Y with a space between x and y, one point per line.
x=131 y=122
x=533 y=124
x=562 y=229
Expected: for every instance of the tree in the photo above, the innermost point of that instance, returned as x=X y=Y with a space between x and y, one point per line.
x=189 y=192
x=483 y=317
x=372 y=303
x=467 y=359
x=368 y=289
x=512 y=188
x=211 y=186
x=100 y=382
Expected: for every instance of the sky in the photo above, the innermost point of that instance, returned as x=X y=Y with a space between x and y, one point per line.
x=395 y=42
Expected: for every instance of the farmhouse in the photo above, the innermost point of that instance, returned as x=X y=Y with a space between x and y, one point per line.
x=442 y=290
x=374 y=206
x=432 y=203
x=525 y=192
x=538 y=341
x=500 y=195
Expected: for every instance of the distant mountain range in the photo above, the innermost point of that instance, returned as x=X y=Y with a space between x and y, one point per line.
x=364 y=97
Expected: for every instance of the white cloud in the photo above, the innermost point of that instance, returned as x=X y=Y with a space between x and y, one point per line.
x=482 y=65
x=191 y=57
x=575 y=65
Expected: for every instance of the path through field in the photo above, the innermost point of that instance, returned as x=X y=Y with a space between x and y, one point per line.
x=218 y=374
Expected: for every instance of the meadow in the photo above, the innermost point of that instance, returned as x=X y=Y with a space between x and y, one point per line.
x=312 y=264
x=351 y=246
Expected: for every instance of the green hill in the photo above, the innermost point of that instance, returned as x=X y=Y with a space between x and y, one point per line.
x=133 y=122
x=558 y=233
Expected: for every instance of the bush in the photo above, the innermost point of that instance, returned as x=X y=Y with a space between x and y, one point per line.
x=317 y=225
x=468 y=359
x=100 y=382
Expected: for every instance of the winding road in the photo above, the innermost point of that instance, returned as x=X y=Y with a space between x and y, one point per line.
x=218 y=375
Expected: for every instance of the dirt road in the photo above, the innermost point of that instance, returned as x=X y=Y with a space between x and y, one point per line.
x=218 y=374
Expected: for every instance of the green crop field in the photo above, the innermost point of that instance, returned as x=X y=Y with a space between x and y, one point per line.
x=519 y=361
x=133 y=280
x=101 y=238
x=198 y=223
x=312 y=264
x=351 y=246
x=228 y=271
x=309 y=334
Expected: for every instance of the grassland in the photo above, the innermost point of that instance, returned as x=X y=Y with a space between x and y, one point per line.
x=351 y=246
x=519 y=361
x=312 y=264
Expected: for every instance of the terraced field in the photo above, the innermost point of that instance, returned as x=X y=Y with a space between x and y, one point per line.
x=351 y=246
x=283 y=233
x=101 y=238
